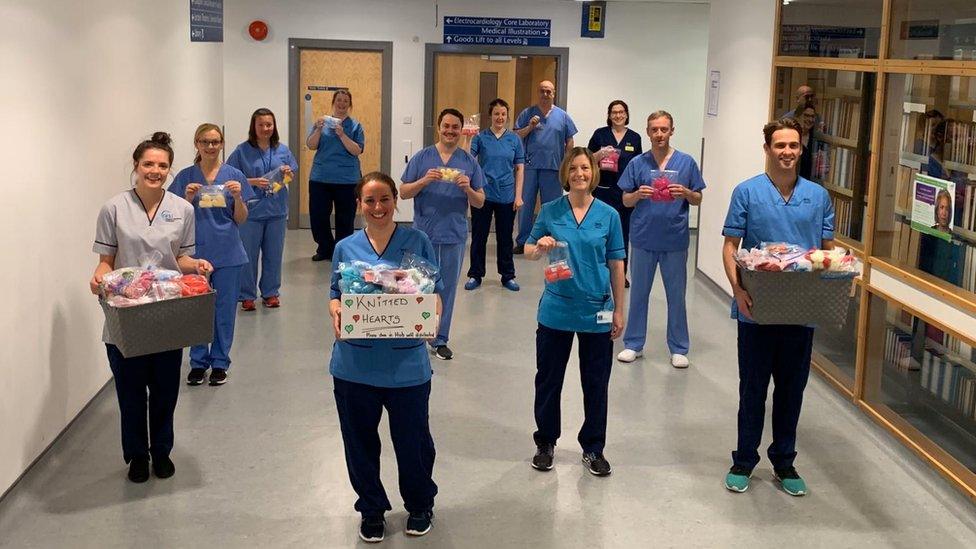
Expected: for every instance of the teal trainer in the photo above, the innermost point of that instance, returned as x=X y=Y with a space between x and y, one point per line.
x=791 y=481
x=738 y=479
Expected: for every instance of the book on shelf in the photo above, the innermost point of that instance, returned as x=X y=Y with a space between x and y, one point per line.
x=952 y=383
x=841 y=116
x=898 y=349
x=834 y=166
x=842 y=215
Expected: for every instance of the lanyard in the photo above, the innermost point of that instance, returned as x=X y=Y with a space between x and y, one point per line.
x=266 y=165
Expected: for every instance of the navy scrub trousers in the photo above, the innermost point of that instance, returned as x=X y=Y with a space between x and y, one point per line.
x=596 y=358
x=360 y=408
x=781 y=352
x=321 y=199
x=480 y=227
x=159 y=375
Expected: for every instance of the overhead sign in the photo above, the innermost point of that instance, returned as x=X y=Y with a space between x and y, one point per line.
x=206 y=20
x=497 y=31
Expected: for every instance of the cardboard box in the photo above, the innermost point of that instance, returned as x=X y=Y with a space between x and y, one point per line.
x=388 y=316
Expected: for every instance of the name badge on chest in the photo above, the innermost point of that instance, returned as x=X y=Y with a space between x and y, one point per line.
x=604 y=317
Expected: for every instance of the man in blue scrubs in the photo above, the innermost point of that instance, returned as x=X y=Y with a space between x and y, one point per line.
x=547 y=132
x=659 y=237
x=776 y=206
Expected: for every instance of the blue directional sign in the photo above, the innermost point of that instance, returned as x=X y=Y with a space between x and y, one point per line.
x=206 y=20
x=497 y=31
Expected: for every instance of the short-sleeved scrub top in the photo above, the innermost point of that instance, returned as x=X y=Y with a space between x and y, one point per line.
x=572 y=304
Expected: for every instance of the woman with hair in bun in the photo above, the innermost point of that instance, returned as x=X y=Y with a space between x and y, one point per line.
x=220 y=204
x=133 y=224
x=267 y=217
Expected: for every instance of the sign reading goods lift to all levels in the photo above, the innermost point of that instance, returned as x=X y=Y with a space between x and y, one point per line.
x=496 y=31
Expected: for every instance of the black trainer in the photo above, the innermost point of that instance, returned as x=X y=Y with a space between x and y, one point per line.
x=196 y=376
x=596 y=464
x=419 y=524
x=218 y=376
x=139 y=469
x=163 y=467
x=443 y=352
x=542 y=461
x=321 y=257
x=519 y=249
x=372 y=529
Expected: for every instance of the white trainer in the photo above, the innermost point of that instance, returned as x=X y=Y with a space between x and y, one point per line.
x=678 y=361
x=629 y=355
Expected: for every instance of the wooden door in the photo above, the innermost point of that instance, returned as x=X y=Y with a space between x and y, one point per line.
x=321 y=71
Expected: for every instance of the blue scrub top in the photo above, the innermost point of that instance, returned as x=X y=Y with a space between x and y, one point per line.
x=546 y=144
x=758 y=213
x=629 y=147
x=332 y=162
x=660 y=226
x=382 y=362
x=572 y=304
x=441 y=209
x=218 y=239
x=254 y=162
x=498 y=157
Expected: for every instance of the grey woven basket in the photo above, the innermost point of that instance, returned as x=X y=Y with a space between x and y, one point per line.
x=798 y=297
x=161 y=326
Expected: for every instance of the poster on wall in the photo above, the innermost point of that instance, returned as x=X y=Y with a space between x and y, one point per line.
x=932 y=206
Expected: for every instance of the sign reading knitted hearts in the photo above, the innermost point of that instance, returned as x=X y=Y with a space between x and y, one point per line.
x=388 y=316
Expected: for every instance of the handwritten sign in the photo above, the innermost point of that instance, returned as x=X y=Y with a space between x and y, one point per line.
x=388 y=316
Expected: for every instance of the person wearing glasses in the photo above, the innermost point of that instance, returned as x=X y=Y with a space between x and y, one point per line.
x=220 y=205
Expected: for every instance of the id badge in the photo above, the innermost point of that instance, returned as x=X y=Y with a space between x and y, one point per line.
x=604 y=317
x=629 y=148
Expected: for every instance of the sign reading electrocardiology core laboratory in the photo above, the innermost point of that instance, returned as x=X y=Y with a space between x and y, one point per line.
x=206 y=20
x=385 y=316
x=932 y=206
x=497 y=31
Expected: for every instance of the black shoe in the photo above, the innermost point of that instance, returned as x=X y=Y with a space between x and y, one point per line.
x=597 y=464
x=372 y=529
x=196 y=376
x=626 y=283
x=419 y=524
x=321 y=257
x=543 y=457
x=443 y=352
x=518 y=249
x=139 y=469
x=163 y=467
x=218 y=376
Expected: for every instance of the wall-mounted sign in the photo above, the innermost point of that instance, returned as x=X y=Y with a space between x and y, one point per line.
x=206 y=20
x=932 y=206
x=497 y=31
x=594 y=20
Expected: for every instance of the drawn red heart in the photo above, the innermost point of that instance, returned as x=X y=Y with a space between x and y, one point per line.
x=418 y=327
x=355 y=318
x=420 y=300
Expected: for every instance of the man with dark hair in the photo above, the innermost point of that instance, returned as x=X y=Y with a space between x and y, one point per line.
x=775 y=206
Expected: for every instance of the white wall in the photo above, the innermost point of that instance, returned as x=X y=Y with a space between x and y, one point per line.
x=653 y=57
x=83 y=84
x=740 y=46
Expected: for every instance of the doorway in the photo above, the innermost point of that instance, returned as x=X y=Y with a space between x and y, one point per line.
x=317 y=68
x=467 y=77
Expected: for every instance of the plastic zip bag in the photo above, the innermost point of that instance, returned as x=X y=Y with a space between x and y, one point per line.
x=472 y=124
x=212 y=196
x=660 y=179
x=451 y=175
x=611 y=159
x=277 y=180
x=558 y=267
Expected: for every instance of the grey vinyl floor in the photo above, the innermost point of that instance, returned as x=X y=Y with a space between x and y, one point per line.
x=260 y=460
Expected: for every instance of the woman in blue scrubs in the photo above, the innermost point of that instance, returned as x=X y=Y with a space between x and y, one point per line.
x=588 y=306
x=372 y=374
x=335 y=172
x=627 y=144
x=131 y=225
x=218 y=216
x=263 y=233
x=441 y=207
x=500 y=154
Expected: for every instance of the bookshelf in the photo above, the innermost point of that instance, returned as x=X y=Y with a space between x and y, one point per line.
x=882 y=121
